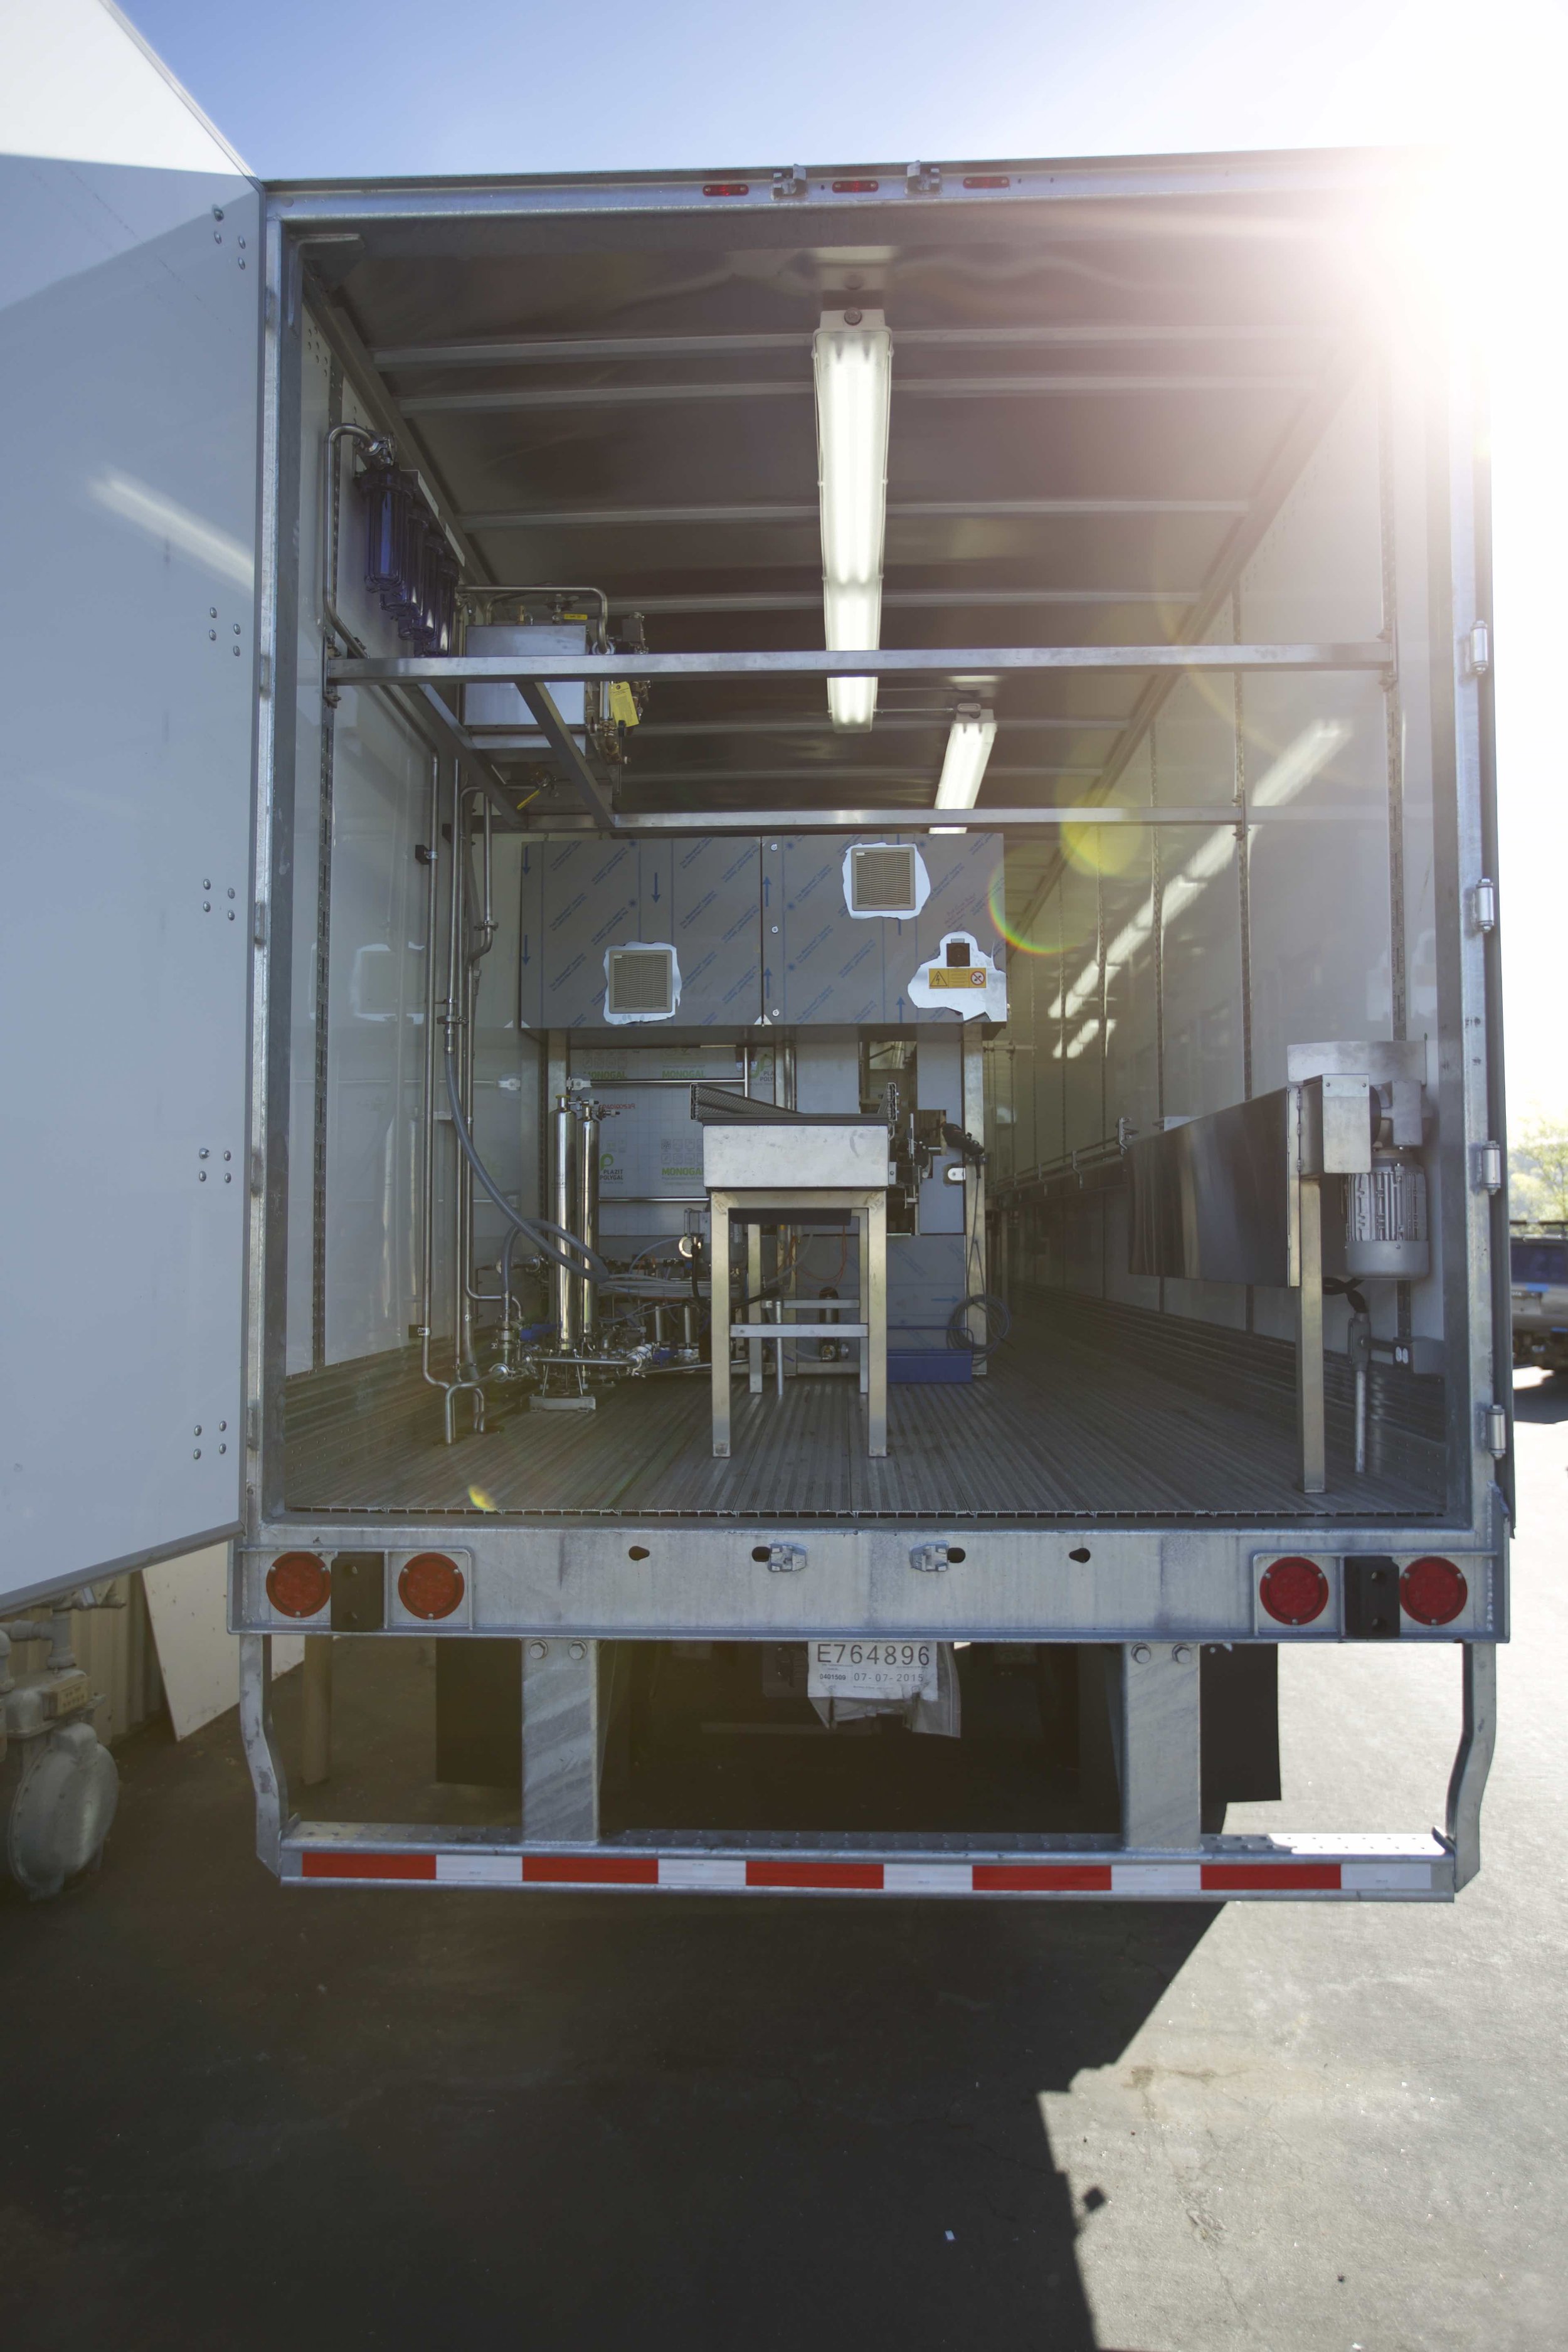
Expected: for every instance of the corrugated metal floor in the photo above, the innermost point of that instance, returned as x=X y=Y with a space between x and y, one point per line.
x=1058 y=1427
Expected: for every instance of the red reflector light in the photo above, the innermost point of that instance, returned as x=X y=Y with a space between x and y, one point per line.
x=318 y=1864
x=431 y=1585
x=726 y=187
x=1271 y=1877
x=988 y=180
x=1433 y=1590
x=1042 y=1877
x=590 y=1870
x=856 y=187
x=1294 y=1591
x=867 y=1876
x=299 y=1583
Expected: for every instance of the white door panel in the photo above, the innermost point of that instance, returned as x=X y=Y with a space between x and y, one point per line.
x=128 y=332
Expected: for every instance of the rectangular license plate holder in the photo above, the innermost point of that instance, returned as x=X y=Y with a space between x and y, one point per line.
x=889 y=1670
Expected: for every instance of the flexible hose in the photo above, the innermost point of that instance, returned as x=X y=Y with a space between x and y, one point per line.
x=537 y=1230
x=998 y=1324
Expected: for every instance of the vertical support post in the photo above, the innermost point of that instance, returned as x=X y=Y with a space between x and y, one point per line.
x=316 y=1708
x=266 y=1774
x=560 y=1741
x=1159 y=1752
x=1311 y=1424
x=1472 y=1761
x=753 y=1304
x=874 y=1289
x=720 y=1317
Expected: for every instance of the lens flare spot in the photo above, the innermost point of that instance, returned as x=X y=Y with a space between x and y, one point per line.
x=482 y=1501
x=1101 y=848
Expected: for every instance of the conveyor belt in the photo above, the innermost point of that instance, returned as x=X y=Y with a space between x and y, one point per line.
x=1061 y=1426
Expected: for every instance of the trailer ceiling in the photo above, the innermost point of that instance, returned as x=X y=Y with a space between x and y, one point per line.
x=1096 y=400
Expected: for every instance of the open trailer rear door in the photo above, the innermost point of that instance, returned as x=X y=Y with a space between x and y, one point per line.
x=129 y=317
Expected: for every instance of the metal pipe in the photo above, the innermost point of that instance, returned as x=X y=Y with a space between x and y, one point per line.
x=378 y=445
x=586 y=1190
x=563 y=1280
x=1310 y=1340
x=457 y=1023
x=428 y=1221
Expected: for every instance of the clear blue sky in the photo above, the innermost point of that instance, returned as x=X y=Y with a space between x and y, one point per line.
x=494 y=86
x=344 y=89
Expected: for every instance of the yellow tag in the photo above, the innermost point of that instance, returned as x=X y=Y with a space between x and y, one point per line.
x=623 y=703
x=955 y=975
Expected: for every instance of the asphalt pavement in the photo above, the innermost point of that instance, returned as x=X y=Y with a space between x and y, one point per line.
x=238 y=2117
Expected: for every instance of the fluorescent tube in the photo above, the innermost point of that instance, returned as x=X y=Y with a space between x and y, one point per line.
x=852 y=358
x=963 y=766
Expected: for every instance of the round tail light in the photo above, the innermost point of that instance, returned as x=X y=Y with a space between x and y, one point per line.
x=1432 y=1590
x=431 y=1585
x=299 y=1583
x=1294 y=1591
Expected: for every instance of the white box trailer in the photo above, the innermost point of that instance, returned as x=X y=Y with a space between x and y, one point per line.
x=391 y=916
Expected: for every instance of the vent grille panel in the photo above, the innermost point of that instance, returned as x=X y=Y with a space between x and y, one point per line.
x=882 y=881
x=642 y=980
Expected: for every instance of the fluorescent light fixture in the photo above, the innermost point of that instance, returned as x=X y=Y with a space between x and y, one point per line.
x=963 y=767
x=852 y=355
x=949 y=828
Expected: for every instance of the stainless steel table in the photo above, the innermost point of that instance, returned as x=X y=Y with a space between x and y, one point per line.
x=765 y=1173
x=868 y=1207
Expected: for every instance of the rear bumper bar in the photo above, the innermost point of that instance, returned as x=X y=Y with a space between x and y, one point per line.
x=1225 y=1869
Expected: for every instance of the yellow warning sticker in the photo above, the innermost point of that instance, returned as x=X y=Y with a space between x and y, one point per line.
x=955 y=975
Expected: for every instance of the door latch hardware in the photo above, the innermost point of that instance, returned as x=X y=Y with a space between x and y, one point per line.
x=783 y=1559
x=930 y=1558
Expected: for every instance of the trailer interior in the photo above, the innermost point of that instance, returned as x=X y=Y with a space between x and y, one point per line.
x=1163 y=562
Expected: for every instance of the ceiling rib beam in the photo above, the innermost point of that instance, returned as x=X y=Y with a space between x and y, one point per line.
x=733 y=779
x=909 y=600
x=998 y=818
x=902 y=722
x=898 y=511
x=557 y=350
x=957 y=387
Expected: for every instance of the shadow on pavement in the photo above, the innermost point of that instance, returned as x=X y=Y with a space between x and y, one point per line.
x=249 y=2117
x=1541 y=1396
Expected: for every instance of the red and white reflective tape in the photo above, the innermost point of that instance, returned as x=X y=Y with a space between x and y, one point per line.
x=1407 y=1867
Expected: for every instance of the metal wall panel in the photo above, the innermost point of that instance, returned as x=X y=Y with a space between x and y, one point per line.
x=582 y=896
x=128 y=331
x=822 y=964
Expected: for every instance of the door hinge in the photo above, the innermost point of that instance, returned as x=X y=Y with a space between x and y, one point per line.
x=257 y=1172
x=1491 y=1426
x=1483 y=906
x=258 y=923
x=1489 y=1168
x=1476 y=650
x=253 y=1424
x=264 y=676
